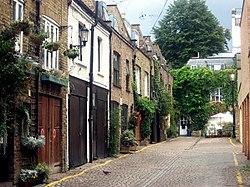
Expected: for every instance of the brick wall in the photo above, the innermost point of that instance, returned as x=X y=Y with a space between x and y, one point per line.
x=244 y=77
x=58 y=11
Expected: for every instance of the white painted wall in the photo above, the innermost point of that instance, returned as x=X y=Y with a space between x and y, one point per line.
x=236 y=41
x=80 y=69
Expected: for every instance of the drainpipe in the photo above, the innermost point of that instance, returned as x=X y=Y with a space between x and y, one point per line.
x=110 y=79
x=91 y=85
x=37 y=53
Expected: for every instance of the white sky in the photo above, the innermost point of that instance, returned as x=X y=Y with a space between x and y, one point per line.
x=146 y=12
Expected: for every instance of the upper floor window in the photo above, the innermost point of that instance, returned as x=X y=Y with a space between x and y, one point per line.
x=127 y=75
x=146 y=84
x=193 y=66
x=138 y=79
x=216 y=95
x=116 y=62
x=18 y=16
x=50 y=58
x=237 y=21
x=100 y=50
x=17 y=10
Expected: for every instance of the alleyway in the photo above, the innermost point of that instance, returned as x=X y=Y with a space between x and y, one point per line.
x=185 y=161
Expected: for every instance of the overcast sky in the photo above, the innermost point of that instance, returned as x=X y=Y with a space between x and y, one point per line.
x=146 y=12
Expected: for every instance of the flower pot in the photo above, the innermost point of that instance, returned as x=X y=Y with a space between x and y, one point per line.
x=37 y=39
x=25 y=184
x=71 y=53
x=52 y=46
x=125 y=149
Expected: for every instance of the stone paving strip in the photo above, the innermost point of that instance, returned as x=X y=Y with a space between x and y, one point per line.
x=181 y=162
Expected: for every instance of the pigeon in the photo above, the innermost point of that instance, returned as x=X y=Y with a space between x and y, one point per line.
x=106 y=172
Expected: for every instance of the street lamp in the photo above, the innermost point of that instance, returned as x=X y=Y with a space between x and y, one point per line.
x=83 y=36
x=232 y=76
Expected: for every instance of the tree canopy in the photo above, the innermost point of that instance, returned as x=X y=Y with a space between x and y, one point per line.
x=187 y=28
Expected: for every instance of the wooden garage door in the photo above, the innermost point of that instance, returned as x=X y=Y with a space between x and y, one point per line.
x=50 y=126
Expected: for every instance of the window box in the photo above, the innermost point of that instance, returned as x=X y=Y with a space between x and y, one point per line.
x=53 y=79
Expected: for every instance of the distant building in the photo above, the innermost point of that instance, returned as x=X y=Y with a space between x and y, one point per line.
x=236 y=17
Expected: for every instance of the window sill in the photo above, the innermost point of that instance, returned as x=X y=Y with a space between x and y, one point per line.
x=117 y=86
x=81 y=64
x=100 y=75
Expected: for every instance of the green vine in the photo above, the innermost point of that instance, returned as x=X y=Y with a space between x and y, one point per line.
x=147 y=110
x=12 y=79
x=114 y=140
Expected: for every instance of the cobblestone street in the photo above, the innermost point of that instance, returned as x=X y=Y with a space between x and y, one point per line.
x=184 y=161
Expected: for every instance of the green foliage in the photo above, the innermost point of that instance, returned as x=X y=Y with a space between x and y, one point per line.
x=43 y=171
x=188 y=28
x=162 y=98
x=128 y=138
x=172 y=131
x=35 y=176
x=147 y=109
x=114 y=140
x=12 y=79
x=192 y=88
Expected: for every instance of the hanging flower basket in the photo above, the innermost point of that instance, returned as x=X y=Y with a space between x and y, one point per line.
x=38 y=38
x=71 y=53
x=52 y=46
x=31 y=142
x=24 y=26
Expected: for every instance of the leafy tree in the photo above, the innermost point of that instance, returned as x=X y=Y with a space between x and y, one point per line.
x=192 y=88
x=187 y=28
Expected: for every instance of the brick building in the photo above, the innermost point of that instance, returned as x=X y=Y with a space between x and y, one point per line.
x=45 y=99
x=244 y=78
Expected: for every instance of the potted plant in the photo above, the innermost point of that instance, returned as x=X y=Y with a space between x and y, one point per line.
x=42 y=172
x=31 y=177
x=51 y=46
x=127 y=140
x=38 y=38
x=71 y=53
x=28 y=177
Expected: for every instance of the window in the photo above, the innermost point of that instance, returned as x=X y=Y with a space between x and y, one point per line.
x=18 y=15
x=124 y=117
x=99 y=53
x=193 y=66
x=127 y=75
x=237 y=21
x=50 y=58
x=146 y=84
x=216 y=95
x=116 y=62
x=138 y=79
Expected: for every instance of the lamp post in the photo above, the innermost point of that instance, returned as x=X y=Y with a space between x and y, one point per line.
x=232 y=76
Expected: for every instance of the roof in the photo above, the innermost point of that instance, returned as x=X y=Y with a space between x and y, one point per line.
x=214 y=61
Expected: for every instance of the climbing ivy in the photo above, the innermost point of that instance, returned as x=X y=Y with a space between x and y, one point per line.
x=114 y=140
x=12 y=81
x=192 y=88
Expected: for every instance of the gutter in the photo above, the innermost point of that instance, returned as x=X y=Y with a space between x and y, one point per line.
x=91 y=85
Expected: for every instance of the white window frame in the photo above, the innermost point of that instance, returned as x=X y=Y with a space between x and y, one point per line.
x=18 y=16
x=50 y=59
x=216 y=95
x=138 y=79
x=146 y=84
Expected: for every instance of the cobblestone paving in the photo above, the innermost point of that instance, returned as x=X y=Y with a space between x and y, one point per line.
x=183 y=162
